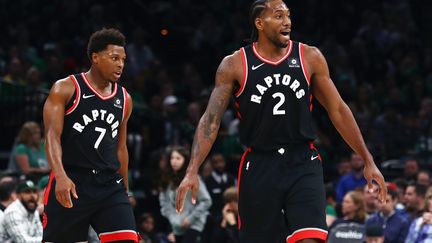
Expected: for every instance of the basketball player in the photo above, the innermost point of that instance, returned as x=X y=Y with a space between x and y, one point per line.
x=85 y=119
x=281 y=191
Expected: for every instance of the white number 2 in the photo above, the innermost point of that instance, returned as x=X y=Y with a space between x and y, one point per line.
x=276 y=110
x=101 y=135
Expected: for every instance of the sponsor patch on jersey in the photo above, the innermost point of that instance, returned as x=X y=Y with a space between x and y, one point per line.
x=117 y=103
x=293 y=62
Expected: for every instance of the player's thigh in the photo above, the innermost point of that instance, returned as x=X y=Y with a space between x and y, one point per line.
x=115 y=223
x=260 y=200
x=304 y=208
x=65 y=224
x=62 y=224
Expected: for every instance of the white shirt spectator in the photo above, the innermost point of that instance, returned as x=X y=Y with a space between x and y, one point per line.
x=19 y=225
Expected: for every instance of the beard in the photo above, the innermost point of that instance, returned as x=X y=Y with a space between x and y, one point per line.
x=275 y=41
x=30 y=205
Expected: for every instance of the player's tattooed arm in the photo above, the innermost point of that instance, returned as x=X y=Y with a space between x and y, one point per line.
x=208 y=126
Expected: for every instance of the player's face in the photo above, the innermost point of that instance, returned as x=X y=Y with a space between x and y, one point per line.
x=177 y=160
x=111 y=62
x=276 y=23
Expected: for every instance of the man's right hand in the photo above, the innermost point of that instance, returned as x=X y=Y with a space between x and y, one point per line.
x=63 y=189
x=189 y=182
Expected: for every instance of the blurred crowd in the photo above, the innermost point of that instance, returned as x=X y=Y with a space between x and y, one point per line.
x=379 y=54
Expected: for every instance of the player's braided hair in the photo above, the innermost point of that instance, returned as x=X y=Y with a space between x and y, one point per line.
x=100 y=39
x=255 y=10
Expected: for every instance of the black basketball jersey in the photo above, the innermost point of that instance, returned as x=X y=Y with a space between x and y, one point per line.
x=274 y=99
x=92 y=125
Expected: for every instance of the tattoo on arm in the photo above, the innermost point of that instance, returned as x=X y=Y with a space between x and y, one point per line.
x=209 y=124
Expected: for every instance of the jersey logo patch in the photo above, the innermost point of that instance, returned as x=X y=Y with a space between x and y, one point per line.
x=256 y=67
x=117 y=103
x=87 y=96
x=293 y=62
x=281 y=150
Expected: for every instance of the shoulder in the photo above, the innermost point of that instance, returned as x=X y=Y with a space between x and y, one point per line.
x=62 y=90
x=63 y=86
x=21 y=148
x=312 y=53
x=231 y=65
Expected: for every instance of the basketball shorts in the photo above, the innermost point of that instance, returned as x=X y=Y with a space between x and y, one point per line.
x=102 y=203
x=281 y=195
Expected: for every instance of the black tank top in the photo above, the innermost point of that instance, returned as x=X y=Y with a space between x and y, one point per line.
x=92 y=125
x=274 y=100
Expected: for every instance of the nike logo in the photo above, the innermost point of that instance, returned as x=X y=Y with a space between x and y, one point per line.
x=256 y=67
x=119 y=180
x=314 y=157
x=87 y=96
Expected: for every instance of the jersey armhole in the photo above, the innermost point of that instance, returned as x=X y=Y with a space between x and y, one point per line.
x=245 y=73
x=303 y=64
x=125 y=103
x=77 y=95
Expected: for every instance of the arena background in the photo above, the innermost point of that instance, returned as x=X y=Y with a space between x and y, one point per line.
x=379 y=54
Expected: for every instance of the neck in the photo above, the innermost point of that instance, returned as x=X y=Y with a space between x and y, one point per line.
x=269 y=50
x=96 y=79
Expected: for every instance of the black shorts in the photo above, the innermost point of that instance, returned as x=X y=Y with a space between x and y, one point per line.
x=102 y=203
x=281 y=195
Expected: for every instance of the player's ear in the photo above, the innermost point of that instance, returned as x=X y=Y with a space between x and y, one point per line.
x=259 y=23
x=95 y=57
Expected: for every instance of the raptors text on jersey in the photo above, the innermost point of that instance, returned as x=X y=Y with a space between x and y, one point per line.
x=274 y=99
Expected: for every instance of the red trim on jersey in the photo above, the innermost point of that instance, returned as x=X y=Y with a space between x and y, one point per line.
x=237 y=106
x=308 y=233
x=48 y=188
x=125 y=103
x=273 y=62
x=95 y=91
x=245 y=73
x=119 y=235
x=248 y=150
x=310 y=102
x=303 y=65
x=77 y=95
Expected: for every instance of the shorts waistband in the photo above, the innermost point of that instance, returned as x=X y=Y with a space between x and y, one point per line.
x=286 y=147
x=84 y=170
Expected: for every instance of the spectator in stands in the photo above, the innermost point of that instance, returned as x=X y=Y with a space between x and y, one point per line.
x=7 y=193
x=226 y=229
x=420 y=230
x=188 y=225
x=374 y=234
x=16 y=72
x=411 y=168
x=352 y=180
x=28 y=157
x=353 y=209
x=148 y=233
x=394 y=225
x=218 y=182
x=423 y=178
x=415 y=200
x=21 y=223
x=350 y=228
x=370 y=198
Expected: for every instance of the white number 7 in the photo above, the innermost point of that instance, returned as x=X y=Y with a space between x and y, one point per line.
x=101 y=135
